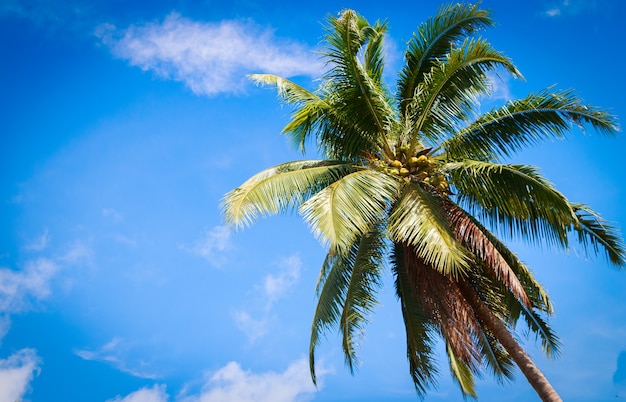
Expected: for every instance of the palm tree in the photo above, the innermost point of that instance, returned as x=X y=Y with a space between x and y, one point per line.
x=412 y=180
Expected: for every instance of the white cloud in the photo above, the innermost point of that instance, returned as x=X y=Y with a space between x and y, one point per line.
x=116 y=353
x=210 y=58
x=18 y=289
x=5 y=325
x=274 y=287
x=253 y=328
x=40 y=243
x=231 y=383
x=575 y=7
x=16 y=372
x=155 y=394
x=77 y=253
x=553 y=12
x=212 y=245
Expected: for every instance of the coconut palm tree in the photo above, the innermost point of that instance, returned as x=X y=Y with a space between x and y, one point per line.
x=415 y=180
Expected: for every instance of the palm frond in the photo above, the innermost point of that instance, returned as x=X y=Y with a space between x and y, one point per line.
x=594 y=233
x=330 y=301
x=374 y=60
x=432 y=42
x=470 y=235
x=419 y=333
x=550 y=343
x=514 y=198
x=356 y=95
x=451 y=89
x=461 y=373
x=417 y=220
x=495 y=357
x=349 y=207
x=311 y=112
x=545 y=115
x=279 y=189
x=361 y=293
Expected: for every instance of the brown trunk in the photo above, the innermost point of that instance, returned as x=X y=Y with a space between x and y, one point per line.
x=534 y=376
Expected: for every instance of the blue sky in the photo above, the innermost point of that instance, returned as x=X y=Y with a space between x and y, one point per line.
x=123 y=124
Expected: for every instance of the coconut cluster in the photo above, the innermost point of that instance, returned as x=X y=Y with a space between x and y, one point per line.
x=417 y=167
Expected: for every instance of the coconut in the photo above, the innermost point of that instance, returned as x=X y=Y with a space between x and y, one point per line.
x=396 y=164
x=404 y=172
x=422 y=160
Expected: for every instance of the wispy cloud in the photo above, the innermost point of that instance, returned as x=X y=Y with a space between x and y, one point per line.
x=116 y=353
x=210 y=58
x=274 y=286
x=16 y=372
x=253 y=328
x=39 y=243
x=574 y=7
x=19 y=289
x=155 y=394
x=232 y=383
x=113 y=214
x=212 y=246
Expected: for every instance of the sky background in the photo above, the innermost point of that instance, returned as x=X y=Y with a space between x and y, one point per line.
x=123 y=124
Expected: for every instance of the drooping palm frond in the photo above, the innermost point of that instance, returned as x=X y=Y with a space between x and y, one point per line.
x=519 y=123
x=532 y=288
x=349 y=207
x=420 y=333
x=361 y=293
x=594 y=232
x=461 y=373
x=417 y=220
x=495 y=356
x=279 y=189
x=508 y=308
x=514 y=198
x=432 y=42
x=472 y=237
x=347 y=290
x=443 y=305
x=331 y=296
x=550 y=342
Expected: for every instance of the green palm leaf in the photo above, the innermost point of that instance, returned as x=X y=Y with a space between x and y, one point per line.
x=279 y=189
x=495 y=356
x=331 y=299
x=433 y=41
x=514 y=198
x=356 y=95
x=594 y=232
x=450 y=90
x=519 y=123
x=360 y=298
x=349 y=208
x=461 y=373
x=417 y=220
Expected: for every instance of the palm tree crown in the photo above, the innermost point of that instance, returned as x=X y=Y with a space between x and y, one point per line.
x=412 y=180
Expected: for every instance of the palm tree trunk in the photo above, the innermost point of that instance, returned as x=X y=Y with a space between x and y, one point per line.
x=534 y=376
